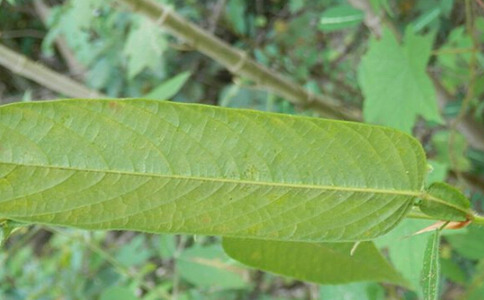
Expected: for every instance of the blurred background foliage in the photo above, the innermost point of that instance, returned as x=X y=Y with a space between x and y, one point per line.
x=418 y=66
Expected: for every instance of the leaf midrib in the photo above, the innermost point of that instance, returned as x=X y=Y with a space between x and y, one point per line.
x=411 y=193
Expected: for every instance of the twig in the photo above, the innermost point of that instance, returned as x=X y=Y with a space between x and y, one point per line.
x=372 y=21
x=237 y=61
x=44 y=76
x=467 y=99
x=480 y=3
x=349 y=48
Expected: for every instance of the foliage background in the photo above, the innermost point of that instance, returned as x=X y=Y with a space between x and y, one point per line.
x=418 y=67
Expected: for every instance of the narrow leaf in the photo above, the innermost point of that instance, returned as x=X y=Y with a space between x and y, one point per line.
x=169 y=88
x=430 y=271
x=325 y=263
x=167 y=167
x=340 y=17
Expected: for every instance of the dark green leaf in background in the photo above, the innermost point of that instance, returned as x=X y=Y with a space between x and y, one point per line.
x=169 y=88
x=469 y=244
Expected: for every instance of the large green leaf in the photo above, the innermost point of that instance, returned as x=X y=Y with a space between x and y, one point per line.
x=166 y=167
x=326 y=263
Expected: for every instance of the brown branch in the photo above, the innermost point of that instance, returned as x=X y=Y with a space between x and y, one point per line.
x=238 y=62
x=44 y=76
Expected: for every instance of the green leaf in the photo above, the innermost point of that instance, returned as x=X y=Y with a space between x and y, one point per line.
x=406 y=252
x=326 y=263
x=236 y=15
x=134 y=252
x=144 y=47
x=210 y=267
x=476 y=287
x=426 y=19
x=159 y=166
x=340 y=17
x=469 y=244
x=169 y=88
x=394 y=82
x=357 y=290
x=431 y=266
x=118 y=293
x=167 y=246
x=459 y=162
x=452 y=271
x=445 y=202
x=438 y=172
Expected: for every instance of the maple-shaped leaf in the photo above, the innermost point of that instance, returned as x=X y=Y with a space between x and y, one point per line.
x=144 y=47
x=395 y=84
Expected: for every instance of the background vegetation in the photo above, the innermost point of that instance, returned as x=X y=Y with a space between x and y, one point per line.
x=414 y=65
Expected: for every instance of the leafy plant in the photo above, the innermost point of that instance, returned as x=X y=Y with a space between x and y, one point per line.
x=149 y=166
x=315 y=200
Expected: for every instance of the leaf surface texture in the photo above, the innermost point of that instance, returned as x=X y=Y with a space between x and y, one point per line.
x=165 y=167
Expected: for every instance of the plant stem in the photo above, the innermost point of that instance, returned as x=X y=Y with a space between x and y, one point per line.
x=44 y=76
x=237 y=61
x=417 y=214
x=478 y=220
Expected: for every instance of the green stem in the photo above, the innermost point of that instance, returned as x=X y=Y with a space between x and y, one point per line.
x=415 y=213
x=44 y=76
x=237 y=61
x=478 y=220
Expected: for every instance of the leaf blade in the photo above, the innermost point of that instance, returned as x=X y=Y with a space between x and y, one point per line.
x=150 y=166
x=431 y=268
x=324 y=263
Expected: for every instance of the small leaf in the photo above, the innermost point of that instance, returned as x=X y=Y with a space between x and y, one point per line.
x=445 y=202
x=340 y=17
x=431 y=266
x=169 y=88
x=325 y=263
